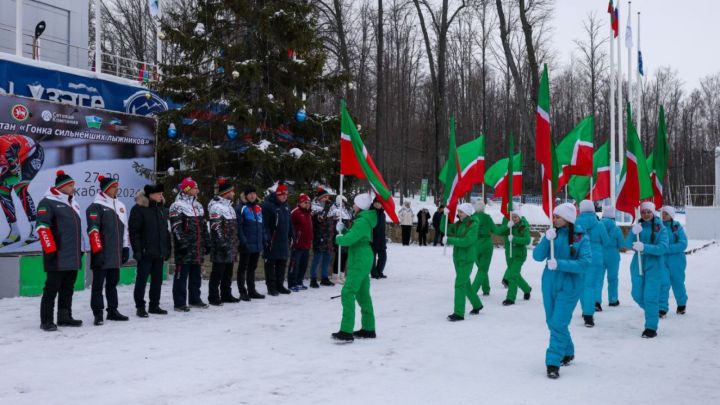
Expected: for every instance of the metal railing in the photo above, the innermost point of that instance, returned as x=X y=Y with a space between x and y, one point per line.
x=700 y=196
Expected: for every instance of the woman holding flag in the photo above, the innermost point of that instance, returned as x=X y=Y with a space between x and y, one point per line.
x=562 y=282
x=517 y=237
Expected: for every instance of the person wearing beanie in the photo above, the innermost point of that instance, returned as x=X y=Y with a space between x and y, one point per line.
x=224 y=244
x=611 y=258
x=379 y=243
x=598 y=236
x=675 y=263
x=650 y=249
x=562 y=282
x=360 y=258
x=323 y=239
x=58 y=227
x=278 y=232
x=251 y=237
x=341 y=211
x=484 y=248
x=406 y=216
x=436 y=219
x=462 y=235
x=151 y=244
x=302 y=225
x=192 y=243
x=516 y=233
x=110 y=248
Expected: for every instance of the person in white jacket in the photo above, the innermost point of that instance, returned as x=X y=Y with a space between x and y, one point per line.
x=406 y=216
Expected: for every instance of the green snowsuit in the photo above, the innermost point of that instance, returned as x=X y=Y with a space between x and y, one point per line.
x=359 y=264
x=484 y=248
x=462 y=235
x=521 y=238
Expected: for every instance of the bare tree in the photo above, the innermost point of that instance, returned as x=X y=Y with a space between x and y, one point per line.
x=593 y=59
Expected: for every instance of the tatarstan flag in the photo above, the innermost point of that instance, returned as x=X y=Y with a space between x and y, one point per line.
x=356 y=161
x=453 y=175
x=635 y=179
x=575 y=151
x=471 y=156
x=496 y=177
x=660 y=157
x=545 y=152
x=579 y=186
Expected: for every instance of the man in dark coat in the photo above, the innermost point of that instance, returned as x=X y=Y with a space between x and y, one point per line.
x=278 y=232
x=224 y=238
x=379 y=243
x=110 y=246
x=151 y=244
x=437 y=217
x=251 y=236
x=60 y=235
x=423 y=226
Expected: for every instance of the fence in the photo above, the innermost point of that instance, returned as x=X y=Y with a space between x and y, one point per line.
x=700 y=196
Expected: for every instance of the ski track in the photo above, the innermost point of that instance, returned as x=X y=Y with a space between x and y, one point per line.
x=279 y=349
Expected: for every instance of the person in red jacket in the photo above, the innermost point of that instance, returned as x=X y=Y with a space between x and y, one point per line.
x=302 y=226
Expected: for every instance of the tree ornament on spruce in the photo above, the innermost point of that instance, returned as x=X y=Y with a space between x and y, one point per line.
x=300 y=115
x=172 y=131
x=235 y=74
x=231 y=132
x=161 y=36
x=199 y=29
x=270 y=97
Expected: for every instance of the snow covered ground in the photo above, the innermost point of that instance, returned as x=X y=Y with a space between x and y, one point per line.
x=279 y=350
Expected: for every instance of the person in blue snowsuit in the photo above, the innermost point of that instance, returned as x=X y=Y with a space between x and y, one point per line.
x=675 y=263
x=562 y=282
x=611 y=257
x=598 y=240
x=651 y=249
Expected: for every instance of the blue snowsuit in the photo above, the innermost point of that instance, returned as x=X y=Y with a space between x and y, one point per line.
x=562 y=288
x=646 y=287
x=611 y=256
x=598 y=240
x=675 y=264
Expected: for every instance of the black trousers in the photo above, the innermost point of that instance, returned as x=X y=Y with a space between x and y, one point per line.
x=246 y=271
x=275 y=273
x=182 y=287
x=58 y=284
x=438 y=237
x=344 y=258
x=406 y=233
x=220 y=277
x=152 y=268
x=107 y=278
x=379 y=261
x=422 y=238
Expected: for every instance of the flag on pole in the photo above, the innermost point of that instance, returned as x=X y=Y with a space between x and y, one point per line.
x=628 y=33
x=453 y=176
x=356 y=161
x=660 y=157
x=614 y=18
x=141 y=73
x=641 y=68
x=471 y=156
x=544 y=147
x=496 y=177
x=575 y=151
x=579 y=186
x=635 y=183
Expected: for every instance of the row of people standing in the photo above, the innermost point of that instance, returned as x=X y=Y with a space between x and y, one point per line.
x=423 y=221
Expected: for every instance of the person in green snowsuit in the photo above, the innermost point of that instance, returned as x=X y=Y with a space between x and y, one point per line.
x=462 y=235
x=484 y=248
x=516 y=233
x=358 y=240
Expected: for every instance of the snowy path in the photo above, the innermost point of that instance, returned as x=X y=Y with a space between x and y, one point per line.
x=279 y=349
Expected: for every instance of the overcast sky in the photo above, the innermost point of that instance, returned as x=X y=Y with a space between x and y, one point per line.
x=682 y=34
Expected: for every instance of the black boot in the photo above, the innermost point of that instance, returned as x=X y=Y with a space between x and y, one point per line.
x=662 y=314
x=508 y=302
x=526 y=296
x=230 y=299
x=255 y=295
x=98 y=318
x=314 y=283
x=476 y=311
x=455 y=318
x=681 y=309
x=326 y=282
x=598 y=307
x=215 y=303
x=614 y=304
x=273 y=293
x=364 y=334
x=200 y=305
x=182 y=308
x=343 y=337
x=142 y=313
x=157 y=310
x=589 y=321
x=567 y=360
x=114 y=315
x=65 y=318
x=553 y=372
x=649 y=333
x=282 y=290
x=48 y=326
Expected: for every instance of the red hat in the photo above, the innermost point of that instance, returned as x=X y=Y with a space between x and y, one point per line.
x=281 y=189
x=303 y=198
x=187 y=184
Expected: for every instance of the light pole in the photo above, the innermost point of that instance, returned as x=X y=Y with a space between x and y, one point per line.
x=39 y=29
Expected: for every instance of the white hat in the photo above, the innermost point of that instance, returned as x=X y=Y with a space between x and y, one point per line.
x=669 y=210
x=587 y=206
x=566 y=211
x=608 y=211
x=467 y=208
x=647 y=205
x=479 y=206
x=363 y=201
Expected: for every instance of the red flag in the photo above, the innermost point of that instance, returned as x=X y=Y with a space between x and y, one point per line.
x=141 y=73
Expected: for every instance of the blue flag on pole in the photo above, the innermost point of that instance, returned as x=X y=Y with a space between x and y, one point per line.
x=640 y=64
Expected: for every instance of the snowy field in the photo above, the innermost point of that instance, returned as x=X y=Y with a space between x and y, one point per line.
x=279 y=350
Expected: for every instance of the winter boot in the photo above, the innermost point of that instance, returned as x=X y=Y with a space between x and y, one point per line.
x=326 y=282
x=48 y=327
x=14 y=235
x=649 y=334
x=364 y=334
x=114 y=315
x=343 y=337
x=567 y=360
x=215 y=303
x=589 y=321
x=230 y=299
x=508 y=302
x=200 y=305
x=182 y=308
x=662 y=314
x=486 y=293
x=553 y=372
x=382 y=275
x=681 y=309
x=526 y=296
x=98 y=318
x=273 y=293
x=455 y=318
x=282 y=290
x=476 y=311
x=314 y=283
x=255 y=295
x=65 y=318
x=614 y=304
x=142 y=313
x=598 y=307
x=157 y=310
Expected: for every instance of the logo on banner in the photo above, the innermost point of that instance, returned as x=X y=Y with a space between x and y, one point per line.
x=46 y=116
x=20 y=112
x=144 y=103
x=93 y=121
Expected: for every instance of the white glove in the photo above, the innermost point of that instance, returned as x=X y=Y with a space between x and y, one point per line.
x=444 y=240
x=552 y=264
x=340 y=227
x=638 y=246
x=446 y=211
x=338 y=200
x=510 y=224
x=550 y=234
x=636 y=228
x=510 y=238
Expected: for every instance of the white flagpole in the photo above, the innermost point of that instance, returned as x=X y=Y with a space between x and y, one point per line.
x=550 y=206
x=628 y=33
x=639 y=254
x=447 y=221
x=591 y=188
x=639 y=88
x=621 y=108
x=612 y=115
x=340 y=212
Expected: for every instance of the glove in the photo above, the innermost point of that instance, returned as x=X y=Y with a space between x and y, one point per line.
x=510 y=238
x=446 y=211
x=638 y=246
x=510 y=224
x=445 y=240
x=338 y=200
x=552 y=264
x=340 y=227
x=551 y=234
x=125 y=255
x=636 y=228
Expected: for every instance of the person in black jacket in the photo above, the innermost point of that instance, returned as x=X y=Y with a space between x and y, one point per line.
x=278 y=233
x=151 y=244
x=251 y=236
x=110 y=246
x=60 y=235
x=379 y=243
x=423 y=226
x=224 y=237
x=437 y=217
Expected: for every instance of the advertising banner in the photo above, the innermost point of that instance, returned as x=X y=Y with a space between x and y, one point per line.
x=37 y=138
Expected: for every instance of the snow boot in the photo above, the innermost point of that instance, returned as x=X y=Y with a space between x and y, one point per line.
x=326 y=282
x=65 y=318
x=343 y=337
x=662 y=314
x=314 y=283
x=98 y=318
x=649 y=334
x=567 y=360
x=114 y=315
x=200 y=305
x=142 y=313
x=364 y=334
x=553 y=372
x=48 y=327
x=589 y=321
x=182 y=308
x=455 y=318
x=681 y=309
x=598 y=307
x=614 y=304
x=157 y=310
x=283 y=290
x=215 y=303
x=230 y=299
x=508 y=302
x=476 y=311
x=526 y=296
x=255 y=295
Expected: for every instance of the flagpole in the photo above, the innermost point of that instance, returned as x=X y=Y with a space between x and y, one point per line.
x=621 y=138
x=340 y=212
x=591 y=188
x=447 y=220
x=612 y=113
x=550 y=205
x=628 y=31
x=638 y=89
x=639 y=254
